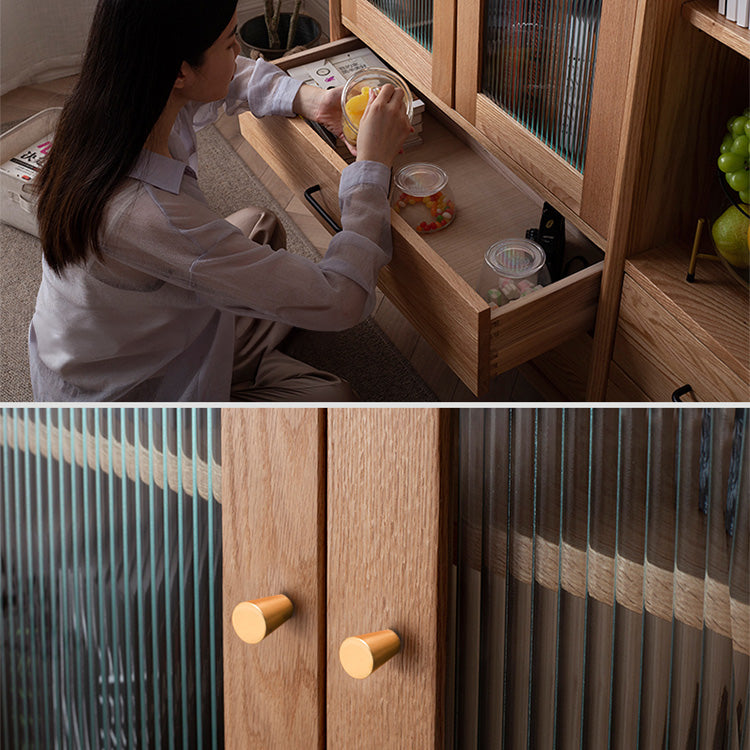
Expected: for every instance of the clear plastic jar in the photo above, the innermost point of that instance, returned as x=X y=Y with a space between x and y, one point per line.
x=422 y=197
x=356 y=93
x=517 y=268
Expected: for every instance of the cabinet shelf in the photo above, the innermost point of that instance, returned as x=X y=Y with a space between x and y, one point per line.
x=703 y=15
x=714 y=308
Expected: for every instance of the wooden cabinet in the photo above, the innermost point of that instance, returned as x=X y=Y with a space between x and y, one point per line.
x=433 y=279
x=544 y=83
x=587 y=556
x=344 y=512
x=648 y=87
x=663 y=353
x=689 y=74
x=273 y=491
x=419 y=36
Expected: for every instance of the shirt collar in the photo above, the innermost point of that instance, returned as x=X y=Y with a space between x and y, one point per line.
x=160 y=171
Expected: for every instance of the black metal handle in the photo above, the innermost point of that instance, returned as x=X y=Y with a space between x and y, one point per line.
x=323 y=213
x=681 y=391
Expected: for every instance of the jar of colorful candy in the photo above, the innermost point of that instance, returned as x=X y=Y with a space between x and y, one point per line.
x=517 y=268
x=356 y=93
x=422 y=197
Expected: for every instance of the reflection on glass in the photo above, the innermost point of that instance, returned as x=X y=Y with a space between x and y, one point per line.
x=110 y=552
x=602 y=578
x=413 y=16
x=538 y=65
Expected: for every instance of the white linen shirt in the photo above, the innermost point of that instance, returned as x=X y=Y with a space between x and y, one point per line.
x=155 y=320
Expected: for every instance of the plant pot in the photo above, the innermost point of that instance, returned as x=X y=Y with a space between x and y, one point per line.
x=254 y=35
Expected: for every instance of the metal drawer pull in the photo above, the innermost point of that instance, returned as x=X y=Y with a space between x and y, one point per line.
x=323 y=213
x=361 y=655
x=253 y=621
x=681 y=391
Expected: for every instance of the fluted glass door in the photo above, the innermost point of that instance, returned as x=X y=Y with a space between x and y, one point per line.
x=602 y=594
x=110 y=551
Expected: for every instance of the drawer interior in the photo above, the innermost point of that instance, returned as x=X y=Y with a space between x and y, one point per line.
x=491 y=204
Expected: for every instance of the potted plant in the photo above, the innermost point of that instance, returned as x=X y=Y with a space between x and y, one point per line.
x=274 y=33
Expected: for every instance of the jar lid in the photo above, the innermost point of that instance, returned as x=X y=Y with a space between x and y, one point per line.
x=515 y=258
x=420 y=179
x=373 y=78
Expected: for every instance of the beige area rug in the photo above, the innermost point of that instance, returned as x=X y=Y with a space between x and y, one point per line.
x=362 y=355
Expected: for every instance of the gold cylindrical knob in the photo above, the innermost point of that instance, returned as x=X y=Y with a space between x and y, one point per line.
x=253 y=621
x=361 y=655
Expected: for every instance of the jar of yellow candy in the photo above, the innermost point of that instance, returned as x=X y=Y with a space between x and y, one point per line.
x=422 y=197
x=356 y=93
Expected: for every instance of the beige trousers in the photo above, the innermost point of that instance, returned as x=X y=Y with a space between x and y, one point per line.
x=261 y=372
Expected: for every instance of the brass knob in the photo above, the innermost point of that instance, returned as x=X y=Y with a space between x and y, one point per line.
x=361 y=655
x=253 y=621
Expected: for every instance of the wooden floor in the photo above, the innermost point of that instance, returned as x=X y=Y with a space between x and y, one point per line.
x=511 y=386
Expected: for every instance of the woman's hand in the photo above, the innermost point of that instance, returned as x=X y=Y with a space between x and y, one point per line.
x=323 y=106
x=384 y=126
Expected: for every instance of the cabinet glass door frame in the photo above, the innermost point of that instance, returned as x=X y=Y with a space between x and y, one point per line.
x=587 y=194
x=429 y=70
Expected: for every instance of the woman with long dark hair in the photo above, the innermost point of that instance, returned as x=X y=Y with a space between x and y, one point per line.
x=147 y=294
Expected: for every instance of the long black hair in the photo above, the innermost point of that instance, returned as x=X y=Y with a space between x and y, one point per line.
x=133 y=57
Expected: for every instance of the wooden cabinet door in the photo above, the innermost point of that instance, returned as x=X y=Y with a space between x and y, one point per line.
x=545 y=83
x=387 y=491
x=416 y=37
x=273 y=525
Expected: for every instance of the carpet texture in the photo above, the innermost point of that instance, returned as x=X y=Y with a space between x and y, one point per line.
x=362 y=355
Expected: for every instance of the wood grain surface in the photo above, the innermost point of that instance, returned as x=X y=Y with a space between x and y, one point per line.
x=386 y=522
x=273 y=525
x=661 y=354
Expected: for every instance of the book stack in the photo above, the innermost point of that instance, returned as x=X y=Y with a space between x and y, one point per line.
x=336 y=71
x=737 y=11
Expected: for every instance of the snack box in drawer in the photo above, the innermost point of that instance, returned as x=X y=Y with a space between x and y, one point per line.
x=22 y=151
x=433 y=279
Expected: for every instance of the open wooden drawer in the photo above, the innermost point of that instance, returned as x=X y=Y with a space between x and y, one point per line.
x=433 y=279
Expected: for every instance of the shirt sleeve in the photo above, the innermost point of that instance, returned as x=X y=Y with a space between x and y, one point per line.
x=257 y=86
x=197 y=250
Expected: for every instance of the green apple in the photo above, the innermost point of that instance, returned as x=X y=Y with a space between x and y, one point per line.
x=730 y=234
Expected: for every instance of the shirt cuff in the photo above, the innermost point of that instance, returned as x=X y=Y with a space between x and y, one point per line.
x=365 y=173
x=263 y=88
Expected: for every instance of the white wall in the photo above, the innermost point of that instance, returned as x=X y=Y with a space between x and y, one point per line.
x=42 y=39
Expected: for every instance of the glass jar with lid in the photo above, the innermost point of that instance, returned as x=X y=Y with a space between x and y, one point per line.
x=422 y=197
x=516 y=267
x=356 y=93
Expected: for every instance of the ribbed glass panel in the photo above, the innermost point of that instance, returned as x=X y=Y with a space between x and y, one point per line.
x=413 y=16
x=538 y=66
x=110 y=564
x=602 y=592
